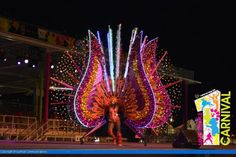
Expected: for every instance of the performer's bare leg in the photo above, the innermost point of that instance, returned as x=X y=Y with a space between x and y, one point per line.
x=110 y=131
x=119 y=135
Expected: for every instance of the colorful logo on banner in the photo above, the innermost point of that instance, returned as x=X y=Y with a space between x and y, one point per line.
x=216 y=118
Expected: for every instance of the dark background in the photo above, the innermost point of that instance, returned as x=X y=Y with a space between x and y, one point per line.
x=199 y=35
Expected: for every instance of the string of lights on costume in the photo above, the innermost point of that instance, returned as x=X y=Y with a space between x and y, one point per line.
x=143 y=85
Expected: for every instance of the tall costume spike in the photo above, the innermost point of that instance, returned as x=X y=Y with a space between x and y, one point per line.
x=111 y=59
x=118 y=49
x=104 y=63
x=133 y=35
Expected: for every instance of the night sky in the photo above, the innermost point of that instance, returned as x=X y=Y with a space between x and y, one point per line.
x=197 y=34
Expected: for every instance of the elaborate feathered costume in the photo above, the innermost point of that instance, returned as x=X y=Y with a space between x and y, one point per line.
x=136 y=87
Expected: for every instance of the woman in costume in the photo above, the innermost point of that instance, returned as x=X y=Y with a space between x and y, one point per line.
x=114 y=121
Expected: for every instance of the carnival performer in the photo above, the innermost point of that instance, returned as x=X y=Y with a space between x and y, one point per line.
x=114 y=121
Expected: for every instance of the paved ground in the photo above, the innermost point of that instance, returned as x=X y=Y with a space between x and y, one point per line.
x=64 y=145
x=87 y=149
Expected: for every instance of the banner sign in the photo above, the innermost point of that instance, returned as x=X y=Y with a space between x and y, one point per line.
x=216 y=118
x=33 y=31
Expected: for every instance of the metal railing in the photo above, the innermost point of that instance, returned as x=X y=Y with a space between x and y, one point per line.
x=16 y=121
x=35 y=134
x=56 y=128
x=23 y=134
x=28 y=128
x=11 y=125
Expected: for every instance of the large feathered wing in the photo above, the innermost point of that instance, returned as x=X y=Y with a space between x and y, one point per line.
x=86 y=108
x=141 y=110
x=163 y=102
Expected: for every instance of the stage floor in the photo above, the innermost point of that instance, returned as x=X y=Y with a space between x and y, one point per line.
x=104 y=146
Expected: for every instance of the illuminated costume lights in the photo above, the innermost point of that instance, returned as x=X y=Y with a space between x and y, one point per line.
x=139 y=92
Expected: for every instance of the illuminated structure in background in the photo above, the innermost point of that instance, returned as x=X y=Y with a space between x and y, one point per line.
x=143 y=84
x=209 y=106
